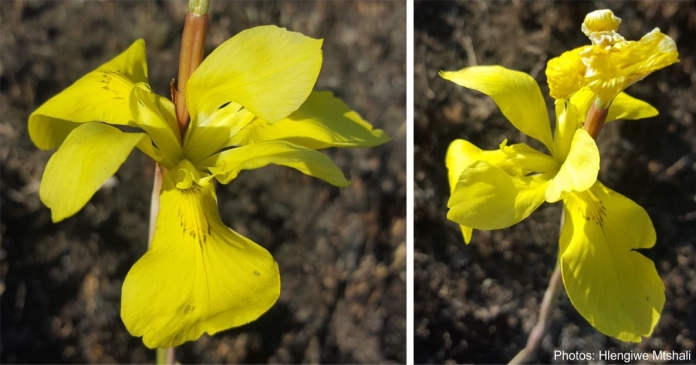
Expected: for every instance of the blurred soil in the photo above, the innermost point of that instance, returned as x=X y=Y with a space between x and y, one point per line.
x=477 y=303
x=341 y=252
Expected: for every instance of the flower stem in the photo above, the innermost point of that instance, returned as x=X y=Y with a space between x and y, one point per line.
x=542 y=326
x=547 y=305
x=596 y=117
x=191 y=56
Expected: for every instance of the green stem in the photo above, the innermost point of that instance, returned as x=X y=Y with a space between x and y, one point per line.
x=199 y=7
x=161 y=357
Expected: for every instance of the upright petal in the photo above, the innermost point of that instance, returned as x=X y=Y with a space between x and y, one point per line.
x=516 y=94
x=567 y=122
x=155 y=114
x=579 y=170
x=198 y=276
x=99 y=96
x=486 y=197
x=614 y=287
x=90 y=154
x=204 y=140
x=226 y=165
x=322 y=121
x=267 y=69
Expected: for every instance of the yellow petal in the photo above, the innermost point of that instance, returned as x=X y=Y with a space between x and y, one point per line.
x=267 y=69
x=624 y=106
x=90 y=154
x=616 y=289
x=226 y=165
x=627 y=107
x=566 y=73
x=579 y=170
x=460 y=155
x=322 y=121
x=198 y=276
x=527 y=159
x=101 y=95
x=488 y=198
x=516 y=94
x=204 y=140
x=601 y=26
x=155 y=115
x=611 y=70
x=600 y=21
x=566 y=125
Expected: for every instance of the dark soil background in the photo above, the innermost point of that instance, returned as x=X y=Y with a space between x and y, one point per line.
x=477 y=303
x=341 y=252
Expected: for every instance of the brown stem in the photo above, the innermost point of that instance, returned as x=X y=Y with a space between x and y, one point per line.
x=595 y=120
x=539 y=330
x=191 y=56
x=547 y=305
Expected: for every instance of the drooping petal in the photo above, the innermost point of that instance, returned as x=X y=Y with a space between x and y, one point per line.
x=90 y=154
x=627 y=107
x=566 y=73
x=624 y=106
x=486 y=197
x=460 y=155
x=579 y=170
x=101 y=95
x=616 y=289
x=267 y=69
x=516 y=94
x=322 y=121
x=155 y=114
x=226 y=165
x=198 y=276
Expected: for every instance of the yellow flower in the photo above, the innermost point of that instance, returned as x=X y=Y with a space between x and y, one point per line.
x=251 y=104
x=610 y=64
x=614 y=287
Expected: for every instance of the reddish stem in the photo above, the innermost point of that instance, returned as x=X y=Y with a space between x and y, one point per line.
x=595 y=120
x=192 y=47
